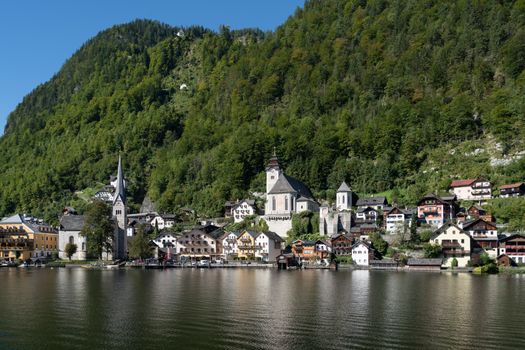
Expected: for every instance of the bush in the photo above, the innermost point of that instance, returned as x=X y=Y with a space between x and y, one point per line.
x=432 y=250
x=454 y=263
x=424 y=236
x=346 y=259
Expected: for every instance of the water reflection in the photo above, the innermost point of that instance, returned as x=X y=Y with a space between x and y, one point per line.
x=258 y=309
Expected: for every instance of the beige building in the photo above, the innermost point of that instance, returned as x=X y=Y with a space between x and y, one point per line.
x=455 y=243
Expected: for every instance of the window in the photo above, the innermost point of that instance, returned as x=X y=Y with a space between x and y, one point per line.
x=83 y=246
x=286 y=203
x=71 y=240
x=273 y=203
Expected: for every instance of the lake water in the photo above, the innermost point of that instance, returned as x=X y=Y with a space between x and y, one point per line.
x=258 y=309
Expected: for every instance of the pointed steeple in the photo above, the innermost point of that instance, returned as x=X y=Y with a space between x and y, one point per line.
x=273 y=163
x=344 y=188
x=120 y=190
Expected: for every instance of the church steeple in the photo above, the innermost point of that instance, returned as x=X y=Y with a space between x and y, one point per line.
x=273 y=171
x=120 y=190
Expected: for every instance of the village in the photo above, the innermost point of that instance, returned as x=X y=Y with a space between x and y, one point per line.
x=436 y=234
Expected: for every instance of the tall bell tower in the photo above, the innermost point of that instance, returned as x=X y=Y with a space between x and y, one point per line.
x=273 y=171
x=120 y=215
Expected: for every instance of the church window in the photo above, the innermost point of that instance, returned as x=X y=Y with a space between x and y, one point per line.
x=71 y=240
x=273 y=203
x=272 y=177
x=286 y=203
x=343 y=199
x=83 y=246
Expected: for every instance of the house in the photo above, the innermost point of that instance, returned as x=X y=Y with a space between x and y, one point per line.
x=246 y=245
x=342 y=244
x=285 y=196
x=339 y=219
x=398 y=219
x=514 y=247
x=366 y=215
x=165 y=239
x=485 y=236
x=229 y=244
x=304 y=249
x=69 y=232
x=24 y=237
x=512 y=190
x=163 y=221
x=367 y=229
x=200 y=242
x=476 y=211
x=268 y=246
x=240 y=210
x=424 y=264
x=454 y=242
x=472 y=189
x=377 y=203
x=323 y=248
x=435 y=210
x=362 y=253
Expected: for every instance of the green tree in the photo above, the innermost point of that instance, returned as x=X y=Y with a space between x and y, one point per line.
x=379 y=244
x=414 y=237
x=70 y=250
x=431 y=250
x=454 y=263
x=98 y=229
x=139 y=246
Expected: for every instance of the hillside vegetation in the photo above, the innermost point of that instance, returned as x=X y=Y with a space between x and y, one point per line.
x=384 y=94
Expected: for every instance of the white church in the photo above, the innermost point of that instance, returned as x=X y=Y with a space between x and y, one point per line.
x=285 y=196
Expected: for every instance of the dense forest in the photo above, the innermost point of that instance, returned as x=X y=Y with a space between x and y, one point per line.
x=399 y=96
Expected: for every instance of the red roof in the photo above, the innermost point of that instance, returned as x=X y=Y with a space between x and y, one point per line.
x=517 y=184
x=461 y=183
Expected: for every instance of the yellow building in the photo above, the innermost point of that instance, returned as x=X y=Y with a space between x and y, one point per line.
x=246 y=245
x=24 y=238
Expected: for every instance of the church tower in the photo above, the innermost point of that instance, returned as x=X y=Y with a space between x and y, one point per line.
x=120 y=215
x=344 y=197
x=273 y=171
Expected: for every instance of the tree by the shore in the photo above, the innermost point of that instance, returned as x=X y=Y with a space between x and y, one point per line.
x=98 y=228
x=70 y=250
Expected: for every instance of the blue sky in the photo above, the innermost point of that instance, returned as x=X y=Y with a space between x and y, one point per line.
x=37 y=37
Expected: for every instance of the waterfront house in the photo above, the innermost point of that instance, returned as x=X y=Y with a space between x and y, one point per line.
x=472 y=189
x=229 y=245
x=69 y=232
x=377 y=203
x=512 y=190
x=424 y=264
x=397 y=219
x=454 y=242
x=268 y=245
x=304 y=249
x=39 y=240
x=202 y=241
x=165 y=239
x=323 y=248
x=435 y=210
x=514 y=247
x=342 y=245
x=485 y=236
x=246 y=245
x=362 y=253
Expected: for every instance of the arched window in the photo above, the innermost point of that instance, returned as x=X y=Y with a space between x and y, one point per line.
x=286 y=203
x=83 y=246
x=71 y=240
x=273 y=203
x=343 y=199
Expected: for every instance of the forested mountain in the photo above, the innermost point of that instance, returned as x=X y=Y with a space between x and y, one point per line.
x=402 y=95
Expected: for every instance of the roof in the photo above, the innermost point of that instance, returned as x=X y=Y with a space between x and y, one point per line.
x=247 y=201
x=425 y=262
x=362 y=210
x=344 y=188
x=367 y=201
x=473 y=222
x=444 y=227
x=514 y=185
x=442 y=200
x=272 y=235
x=462 y=183
x=120 y=190
x=72 y=222
x=288 y=184
x=304 y=242
x=15 y=219
x=362 y=243
x=211 y=230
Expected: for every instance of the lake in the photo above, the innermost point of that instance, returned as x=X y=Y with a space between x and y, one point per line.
x=258 y=309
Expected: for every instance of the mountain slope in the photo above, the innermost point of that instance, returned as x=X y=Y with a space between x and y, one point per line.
x=368 y=91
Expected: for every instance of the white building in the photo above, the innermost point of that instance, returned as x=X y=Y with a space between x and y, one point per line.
x=229 y=244
x=362 y=253
x=285 y=196
x=398 y=219
x=339 y=219
x=269 y=246
x=69 y=232
x=163 y=221
x=454 y=242
x=472 y=189
x=377 y=203
x=242 y=209
x=164 y=240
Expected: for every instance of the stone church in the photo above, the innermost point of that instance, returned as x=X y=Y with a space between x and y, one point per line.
x=285 y=196
x=338 y=219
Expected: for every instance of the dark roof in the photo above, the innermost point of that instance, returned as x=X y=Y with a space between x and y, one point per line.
x=344 y=188
x=424 y=262
x=470 y=223
x=371 y=201
x=363 y=243
x=304 y=242
x=120 y=190
x=273 y=236
x=362 y=210
x=288 y=184
x=248 y=201
x=211 y=230
x=443 y=200
x=72 y=222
